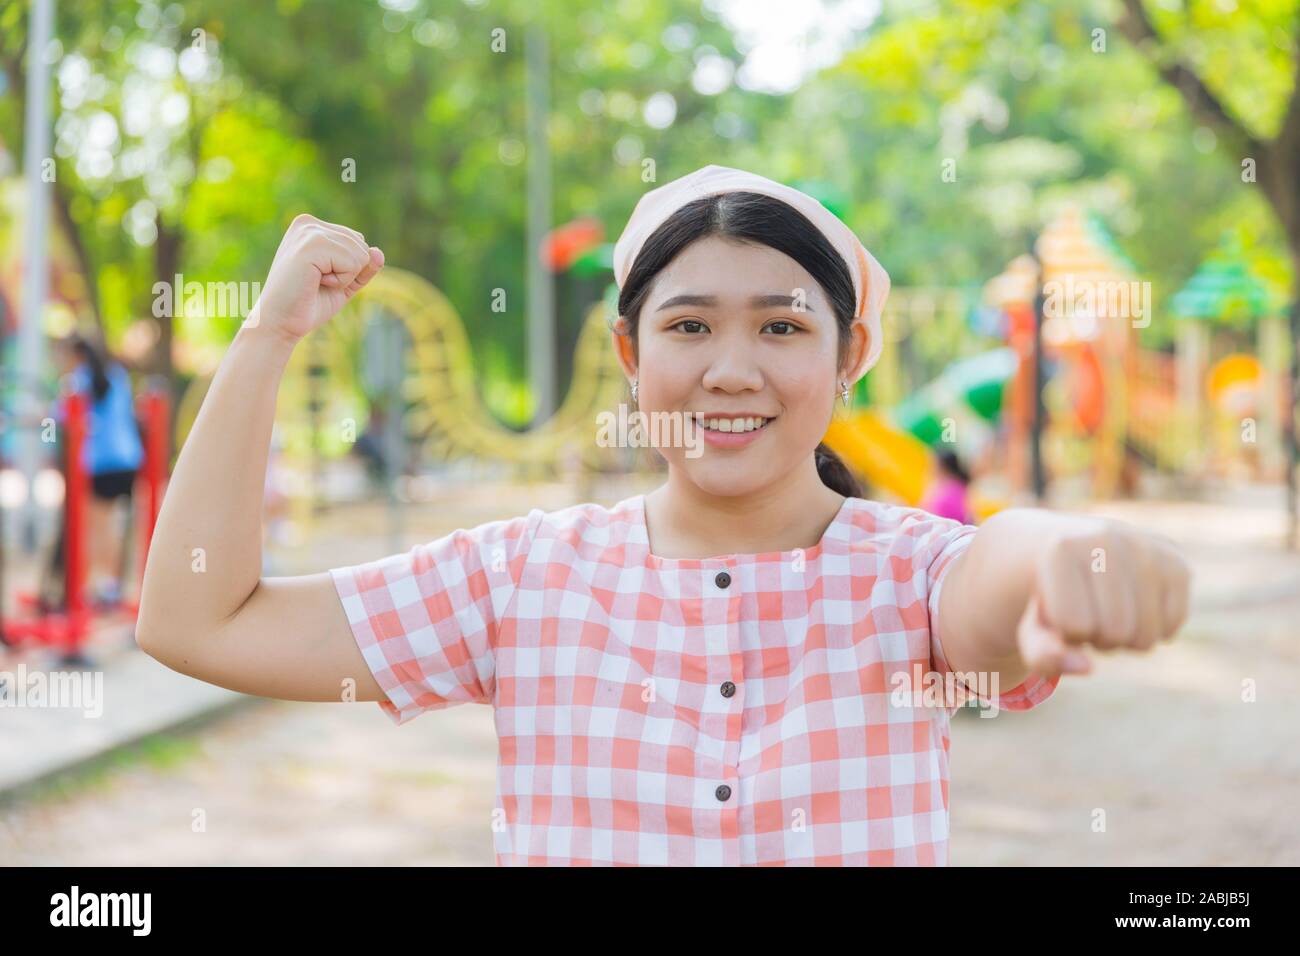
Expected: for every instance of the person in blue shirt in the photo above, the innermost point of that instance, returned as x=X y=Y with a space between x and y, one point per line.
x=112 y=455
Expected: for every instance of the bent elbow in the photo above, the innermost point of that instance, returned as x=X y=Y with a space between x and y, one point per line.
x=154 y=636
x=147 y=637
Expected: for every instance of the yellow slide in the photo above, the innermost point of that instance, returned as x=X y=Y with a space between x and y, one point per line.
x=888 y=458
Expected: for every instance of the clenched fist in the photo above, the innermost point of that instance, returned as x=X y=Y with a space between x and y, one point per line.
x=318 y=267
x=1104 y=584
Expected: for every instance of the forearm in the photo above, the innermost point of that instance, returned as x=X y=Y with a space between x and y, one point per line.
x=992 y=587
x=206 y=555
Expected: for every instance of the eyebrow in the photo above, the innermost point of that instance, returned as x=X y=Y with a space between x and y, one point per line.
x=757 y=302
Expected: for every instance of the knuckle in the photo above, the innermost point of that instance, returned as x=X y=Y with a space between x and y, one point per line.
x=1114 y=630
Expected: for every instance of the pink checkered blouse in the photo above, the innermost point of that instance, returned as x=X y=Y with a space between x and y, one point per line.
x=733 y=710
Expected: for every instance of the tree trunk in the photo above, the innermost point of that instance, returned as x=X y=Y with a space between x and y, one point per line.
x=63 y=207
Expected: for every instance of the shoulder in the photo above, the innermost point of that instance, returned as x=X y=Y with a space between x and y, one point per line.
x=901 y=529
x=883 y=518
x=587 y=522
x=576 y=526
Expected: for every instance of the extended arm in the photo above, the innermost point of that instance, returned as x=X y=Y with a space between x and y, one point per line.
x=1036 y=585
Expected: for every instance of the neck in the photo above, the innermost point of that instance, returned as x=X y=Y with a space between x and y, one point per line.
x=684 y=521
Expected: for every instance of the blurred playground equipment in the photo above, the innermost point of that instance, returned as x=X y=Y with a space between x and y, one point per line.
x=1230 y=374
x=1088 y=301
x=894 y=450
x=1206 y=410
x=57 y=614
x=884 y=454
x=402 y=348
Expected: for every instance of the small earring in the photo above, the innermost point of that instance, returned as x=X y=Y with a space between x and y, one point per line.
x=844 y=392
x=634 y=381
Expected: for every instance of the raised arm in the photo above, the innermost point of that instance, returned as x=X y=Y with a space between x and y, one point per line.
x=205 y=610
x=1036 y=586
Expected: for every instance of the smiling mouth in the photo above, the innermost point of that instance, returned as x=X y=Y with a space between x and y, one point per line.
x=733 y=425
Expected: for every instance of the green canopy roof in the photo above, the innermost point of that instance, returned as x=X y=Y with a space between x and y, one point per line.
x=1223 y=289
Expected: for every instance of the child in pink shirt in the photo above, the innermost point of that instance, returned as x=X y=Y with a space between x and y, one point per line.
x=947 y=497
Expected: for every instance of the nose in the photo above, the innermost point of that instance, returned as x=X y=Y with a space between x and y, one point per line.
x=732 y=369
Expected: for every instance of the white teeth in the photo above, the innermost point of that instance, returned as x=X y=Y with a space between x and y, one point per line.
x=732 y=424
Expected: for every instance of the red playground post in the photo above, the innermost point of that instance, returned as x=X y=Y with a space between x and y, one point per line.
x=66 y=628
x=154 y=412
x=76 y=497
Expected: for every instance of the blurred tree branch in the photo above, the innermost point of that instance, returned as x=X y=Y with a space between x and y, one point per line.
x=1137 y=26
x=1278 y=159
x=62 y=197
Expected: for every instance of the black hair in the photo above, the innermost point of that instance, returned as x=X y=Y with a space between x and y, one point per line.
x=752 y=217
x=95 y=359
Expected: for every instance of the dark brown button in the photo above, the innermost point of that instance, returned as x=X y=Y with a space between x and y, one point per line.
x=723 y=793
x=728 y=688
x=723 y=579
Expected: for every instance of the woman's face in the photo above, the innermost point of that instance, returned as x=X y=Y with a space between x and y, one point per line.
x=720 y=336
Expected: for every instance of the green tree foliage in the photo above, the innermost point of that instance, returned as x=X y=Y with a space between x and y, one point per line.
x=1022 y=104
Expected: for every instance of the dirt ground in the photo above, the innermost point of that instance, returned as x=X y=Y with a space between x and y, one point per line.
x=1162 y=748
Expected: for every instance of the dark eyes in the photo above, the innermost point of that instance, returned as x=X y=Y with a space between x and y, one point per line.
x=696 y=322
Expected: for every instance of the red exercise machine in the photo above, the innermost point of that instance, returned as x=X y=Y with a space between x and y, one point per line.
x=67 y=627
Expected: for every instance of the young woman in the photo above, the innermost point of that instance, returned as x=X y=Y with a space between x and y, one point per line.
x=726 y=670
x=111 y=455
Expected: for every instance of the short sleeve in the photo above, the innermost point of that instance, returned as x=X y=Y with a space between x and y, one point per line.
x=427 y=620
x=939 y=542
